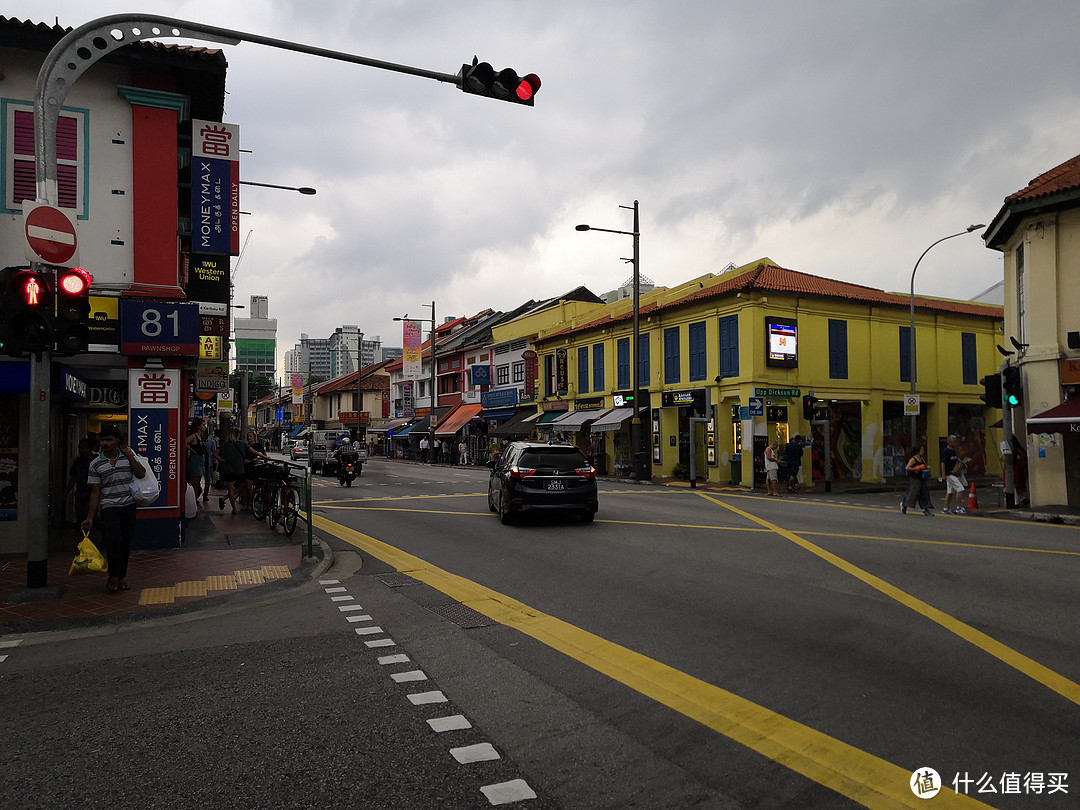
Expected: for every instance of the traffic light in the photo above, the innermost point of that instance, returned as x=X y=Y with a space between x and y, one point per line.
x=28 y=311
x=991 y=384
x=481 y=79
x=808 y=407
x=1013 y=386
x=72 y=328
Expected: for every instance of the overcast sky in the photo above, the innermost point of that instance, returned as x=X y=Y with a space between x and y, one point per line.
x=837 y=138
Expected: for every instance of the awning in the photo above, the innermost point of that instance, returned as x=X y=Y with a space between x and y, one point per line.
x=403 y=432
x=297 y=430
x=457 y=420
x=1065 y=418
x=612 y=420
x=424 y=425
x=519 y=425
x=550 y=416
x=501 y=413
x=386 y=428
x=576 y=419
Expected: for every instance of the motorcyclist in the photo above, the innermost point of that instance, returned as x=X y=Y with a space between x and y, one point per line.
x=343 y=455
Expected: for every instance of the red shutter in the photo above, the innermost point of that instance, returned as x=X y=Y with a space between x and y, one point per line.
x=24 y=185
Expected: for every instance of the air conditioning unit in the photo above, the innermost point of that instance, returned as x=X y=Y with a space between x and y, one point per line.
x=471 y=396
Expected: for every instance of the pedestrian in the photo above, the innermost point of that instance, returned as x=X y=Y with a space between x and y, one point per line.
x=196 y=455
x=793 y=462
x=255 y=451
x=77 y=484
x=110 y=475
x=772 y=471
x=918 y=471
x=953 y=473
x=446 y=451
x=231 y=453
x=424 y=445
x=210 y=466
x=463 y=452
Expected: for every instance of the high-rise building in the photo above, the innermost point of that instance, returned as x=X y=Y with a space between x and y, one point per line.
x=256 y=339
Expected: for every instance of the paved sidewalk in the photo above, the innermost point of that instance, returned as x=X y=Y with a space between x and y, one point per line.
x=222 y=556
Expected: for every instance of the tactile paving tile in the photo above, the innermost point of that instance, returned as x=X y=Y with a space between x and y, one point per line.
x=221 y=583
x=249 y=577
x=276 y=572
x=157 y=596
x=190 y=588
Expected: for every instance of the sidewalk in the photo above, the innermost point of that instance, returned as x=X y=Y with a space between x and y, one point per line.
x=222 y=556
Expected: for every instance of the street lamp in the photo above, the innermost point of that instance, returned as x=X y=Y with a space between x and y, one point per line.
x=912 y=365
x=434 y=400
x=302 y=189
x=640 y=463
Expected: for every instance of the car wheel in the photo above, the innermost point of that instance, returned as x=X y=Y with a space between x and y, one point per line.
x=491 y=503
x=587 y=517
x=504 y=512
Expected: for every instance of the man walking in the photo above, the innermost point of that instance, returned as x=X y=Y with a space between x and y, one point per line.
x=110 y=476
x=953 y=469
x=424 y=445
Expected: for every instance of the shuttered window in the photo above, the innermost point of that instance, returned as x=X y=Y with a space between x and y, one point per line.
x=698 y=355
x=21 y=185
x=838 y=350
x=729 y=346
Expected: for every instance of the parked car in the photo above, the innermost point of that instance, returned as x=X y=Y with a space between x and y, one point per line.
x=298 y=451
x=531 y=476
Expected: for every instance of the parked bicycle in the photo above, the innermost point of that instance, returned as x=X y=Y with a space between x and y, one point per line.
x=273 y=496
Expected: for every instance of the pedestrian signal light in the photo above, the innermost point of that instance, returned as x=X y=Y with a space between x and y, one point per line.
x=991 y=395
x=72 y=311
x=808 y=407
x=28 y=311
x=1013 y=386
x=481 y=79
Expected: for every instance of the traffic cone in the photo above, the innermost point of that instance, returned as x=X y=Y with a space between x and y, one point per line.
x=973 y=502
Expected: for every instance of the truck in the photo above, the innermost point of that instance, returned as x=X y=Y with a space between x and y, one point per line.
x=324 y=443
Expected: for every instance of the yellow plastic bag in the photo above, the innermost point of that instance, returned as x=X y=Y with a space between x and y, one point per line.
x=88 y=559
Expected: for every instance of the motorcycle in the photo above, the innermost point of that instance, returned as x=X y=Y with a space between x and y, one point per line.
x=346 y=473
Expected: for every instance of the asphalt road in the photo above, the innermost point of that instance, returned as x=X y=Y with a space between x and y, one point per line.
x=688 y=649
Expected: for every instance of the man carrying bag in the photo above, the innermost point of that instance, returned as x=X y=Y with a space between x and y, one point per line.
x=110 y=477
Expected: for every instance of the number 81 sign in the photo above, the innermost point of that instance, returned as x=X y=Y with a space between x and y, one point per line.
x=159 y=328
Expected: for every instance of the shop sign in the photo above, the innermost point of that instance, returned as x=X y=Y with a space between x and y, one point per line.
x=501 y=398
x=212 y=377
x=589 y=404
x=154 y=427
x=1070 y=371
x=209 y=347
x=778 y=393
x=73 y=386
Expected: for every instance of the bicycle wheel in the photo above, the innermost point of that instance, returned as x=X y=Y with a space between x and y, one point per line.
x=276 y=508
x=260 y=501
x=289 y=519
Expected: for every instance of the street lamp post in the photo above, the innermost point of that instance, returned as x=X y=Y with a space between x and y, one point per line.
x=302 y=189
x=639 y=462
x=912 y=365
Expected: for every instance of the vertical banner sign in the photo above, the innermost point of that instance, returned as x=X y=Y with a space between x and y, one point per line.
x=407 y=407
x=532 y=369
x=385 y=404
x=412 y=362
x=562 y=376
x=215 y=187
x=154 y=427
x=297 y=389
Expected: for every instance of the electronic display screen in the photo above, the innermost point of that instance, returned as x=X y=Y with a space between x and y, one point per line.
x=783 y=342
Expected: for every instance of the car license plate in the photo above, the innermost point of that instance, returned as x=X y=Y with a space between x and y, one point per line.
x=556 y=485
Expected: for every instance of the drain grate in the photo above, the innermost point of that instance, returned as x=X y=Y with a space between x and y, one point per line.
x=396 y=580
x=461 y=615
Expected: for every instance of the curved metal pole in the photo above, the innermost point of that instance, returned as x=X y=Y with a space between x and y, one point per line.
x=912 y=365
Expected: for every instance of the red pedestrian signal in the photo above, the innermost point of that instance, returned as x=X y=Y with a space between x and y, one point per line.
x=481 y=79
x=27 y=322
x=808 y=402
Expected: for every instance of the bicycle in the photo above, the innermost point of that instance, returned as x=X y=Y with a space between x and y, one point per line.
x=262 y=489
x=283 y=502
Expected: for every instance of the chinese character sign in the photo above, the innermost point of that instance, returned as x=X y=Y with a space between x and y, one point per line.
x=215 y=187
x=154 y=427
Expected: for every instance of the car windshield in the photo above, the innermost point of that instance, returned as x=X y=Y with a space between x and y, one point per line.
x=559 y=458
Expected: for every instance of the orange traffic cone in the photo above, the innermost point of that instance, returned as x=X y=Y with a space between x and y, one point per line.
x=973 y=502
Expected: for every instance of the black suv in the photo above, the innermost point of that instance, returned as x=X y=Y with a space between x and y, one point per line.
x=531 y=476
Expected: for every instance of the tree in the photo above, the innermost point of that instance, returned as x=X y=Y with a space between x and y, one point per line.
x=259 y=385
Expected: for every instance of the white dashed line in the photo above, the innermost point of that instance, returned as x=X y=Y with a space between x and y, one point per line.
x=382 y=642
x=344 y=608
x=406 y=677
x=368 y=631
x=329 y=581
x=400 y=658
x=455 y=722
x=481 y=752
x=339 y=589
x=341 y=599
x=421 y=698
x=363 y=617
x=515 y=790
x=15 y=642
x=3 y=658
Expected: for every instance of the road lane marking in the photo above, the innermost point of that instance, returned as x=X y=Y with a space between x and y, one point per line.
x=1018 y=661
x=854 y=773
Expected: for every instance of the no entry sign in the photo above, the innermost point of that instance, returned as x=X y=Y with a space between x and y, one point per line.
x=49 y=235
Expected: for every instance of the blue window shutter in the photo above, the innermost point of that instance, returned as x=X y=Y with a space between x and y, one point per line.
x=905 y=354
x=968 y=356
x=729 y=346
x=583 y=370
x=622 y=363
x=643 y=360
x=671 y=355
x=698 y=356
x=598 y=367
x=838 y=350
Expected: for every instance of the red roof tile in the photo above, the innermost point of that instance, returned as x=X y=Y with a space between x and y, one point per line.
x=1065 y=177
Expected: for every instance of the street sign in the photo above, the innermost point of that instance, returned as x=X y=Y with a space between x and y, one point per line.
x=49 y=235
x=757 y=406
x=159 y=328
x=911 y=404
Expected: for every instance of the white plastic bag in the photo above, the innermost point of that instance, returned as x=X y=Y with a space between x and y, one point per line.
x=144 y=490
x=191 y=503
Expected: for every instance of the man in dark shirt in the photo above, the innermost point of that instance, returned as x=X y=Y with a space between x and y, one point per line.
x=77 y=483
x=793 y=462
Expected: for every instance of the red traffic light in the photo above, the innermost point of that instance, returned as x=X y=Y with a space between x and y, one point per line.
x=482 y=79
x=75 y=281
x=528 y=86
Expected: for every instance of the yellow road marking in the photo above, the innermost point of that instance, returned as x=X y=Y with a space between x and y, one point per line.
x=860 y=776
x=1033 y=669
